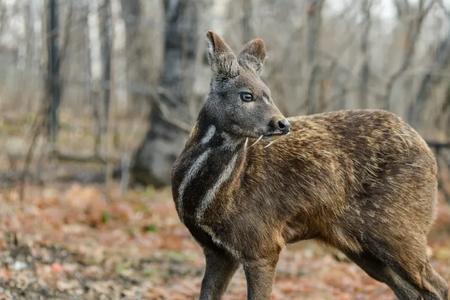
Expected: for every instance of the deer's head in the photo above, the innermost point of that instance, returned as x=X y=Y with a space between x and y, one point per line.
x=239 y=102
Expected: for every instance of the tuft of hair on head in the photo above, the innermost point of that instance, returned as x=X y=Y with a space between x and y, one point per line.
x=221 y=58
x=253 y=55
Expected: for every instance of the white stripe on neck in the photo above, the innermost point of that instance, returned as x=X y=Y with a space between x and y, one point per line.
x=209 y=197
x=190 y=174
x=211 y=193
x=194 y=169
x=229 y=144
x=209 y=134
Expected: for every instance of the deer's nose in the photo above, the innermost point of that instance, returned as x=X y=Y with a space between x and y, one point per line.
x=282 y=125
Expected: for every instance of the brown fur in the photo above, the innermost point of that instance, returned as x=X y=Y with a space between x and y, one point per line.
x=362 y=181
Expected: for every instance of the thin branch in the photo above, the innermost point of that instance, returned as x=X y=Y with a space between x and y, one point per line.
x=444 y=9
x=412 y=36
x=165 y=113
x=36 y=130
x=71 y=157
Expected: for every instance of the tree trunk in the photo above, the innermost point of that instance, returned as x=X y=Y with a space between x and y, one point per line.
x=440 y=63
x=137 y=72
x=364 y=72
x=246 y=21
x=165 y=138
x=105 y=30
x=414 y=27
x=314 y=23
x=29 y=36
x=53 y=80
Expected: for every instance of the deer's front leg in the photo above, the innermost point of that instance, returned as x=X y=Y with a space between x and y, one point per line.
x=260 y=274
x=220 y=267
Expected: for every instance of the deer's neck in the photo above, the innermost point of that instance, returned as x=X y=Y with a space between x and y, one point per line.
x=208 y=170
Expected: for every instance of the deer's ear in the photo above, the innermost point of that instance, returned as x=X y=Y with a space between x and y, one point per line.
x=221 y=58
x=253 y=55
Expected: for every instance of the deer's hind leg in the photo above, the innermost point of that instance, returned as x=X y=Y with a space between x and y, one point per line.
x=411 y=263
x=406 y=271
x=380 y=271
x=436 y=281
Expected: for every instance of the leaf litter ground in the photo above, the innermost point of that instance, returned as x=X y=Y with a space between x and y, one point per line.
x=71 y=241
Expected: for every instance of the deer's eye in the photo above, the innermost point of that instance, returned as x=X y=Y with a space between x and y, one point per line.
x=246 y=96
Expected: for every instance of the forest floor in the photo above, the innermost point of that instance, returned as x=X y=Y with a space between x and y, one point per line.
x=71 y=241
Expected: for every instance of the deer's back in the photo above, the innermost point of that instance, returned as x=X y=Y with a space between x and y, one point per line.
x=343 y=165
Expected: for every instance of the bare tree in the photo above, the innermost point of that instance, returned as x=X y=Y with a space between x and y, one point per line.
x=137 y=72
x=105 y=30
x=364 y=72
x=57 y=43
x=170 y=111
x=29 y=35
x=3 y=16
x=433 y=76
x=247 y=17
x=414 y=27
x=53 y=80
x=314 y=23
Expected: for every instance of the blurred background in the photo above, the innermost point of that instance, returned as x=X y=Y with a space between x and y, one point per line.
x=98 y=96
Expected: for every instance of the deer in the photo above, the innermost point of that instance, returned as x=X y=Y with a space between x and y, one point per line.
x=249 y=181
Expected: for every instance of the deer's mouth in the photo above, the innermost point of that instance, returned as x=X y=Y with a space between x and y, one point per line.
x=263 y=134
x=275 y=133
